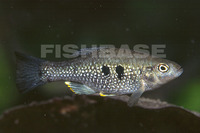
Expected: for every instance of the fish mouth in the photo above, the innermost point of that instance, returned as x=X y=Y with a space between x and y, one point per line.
x=179 y=72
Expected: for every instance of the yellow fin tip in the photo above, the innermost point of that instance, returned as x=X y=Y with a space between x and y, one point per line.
x=67 y=83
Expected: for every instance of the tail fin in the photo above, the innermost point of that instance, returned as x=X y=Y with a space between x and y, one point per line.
x=28 y=72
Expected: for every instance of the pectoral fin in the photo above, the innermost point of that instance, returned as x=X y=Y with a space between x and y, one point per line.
x=79 y=88
x=136 y=95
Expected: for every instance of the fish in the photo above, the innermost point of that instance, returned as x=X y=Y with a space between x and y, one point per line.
x=98 y=71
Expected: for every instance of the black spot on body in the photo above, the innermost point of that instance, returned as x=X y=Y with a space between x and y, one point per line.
x=105 y=70
x=120 y=71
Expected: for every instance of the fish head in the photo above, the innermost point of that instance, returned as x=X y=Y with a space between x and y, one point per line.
x=161 y=71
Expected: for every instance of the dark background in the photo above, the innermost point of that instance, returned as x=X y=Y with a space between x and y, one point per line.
x=25 y=25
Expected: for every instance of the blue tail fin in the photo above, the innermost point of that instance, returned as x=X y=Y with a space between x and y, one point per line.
x=28 y=72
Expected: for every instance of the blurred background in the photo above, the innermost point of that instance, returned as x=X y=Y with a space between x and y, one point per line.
x=26 y=25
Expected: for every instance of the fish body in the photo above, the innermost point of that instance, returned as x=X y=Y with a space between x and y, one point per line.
x=110 y=76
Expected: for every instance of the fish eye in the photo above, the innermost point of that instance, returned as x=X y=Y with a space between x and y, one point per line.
x=163 y=67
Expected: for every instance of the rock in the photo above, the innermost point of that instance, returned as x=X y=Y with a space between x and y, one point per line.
x=99 y=114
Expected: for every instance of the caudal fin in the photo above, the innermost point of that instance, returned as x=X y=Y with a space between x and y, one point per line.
x=28 y=72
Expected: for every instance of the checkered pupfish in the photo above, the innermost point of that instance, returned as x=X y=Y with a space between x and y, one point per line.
x=111 y=76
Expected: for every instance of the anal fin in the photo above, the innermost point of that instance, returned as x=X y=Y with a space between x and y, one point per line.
x=79 y=88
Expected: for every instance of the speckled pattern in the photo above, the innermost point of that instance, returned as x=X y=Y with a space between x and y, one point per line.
x=88 y=71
